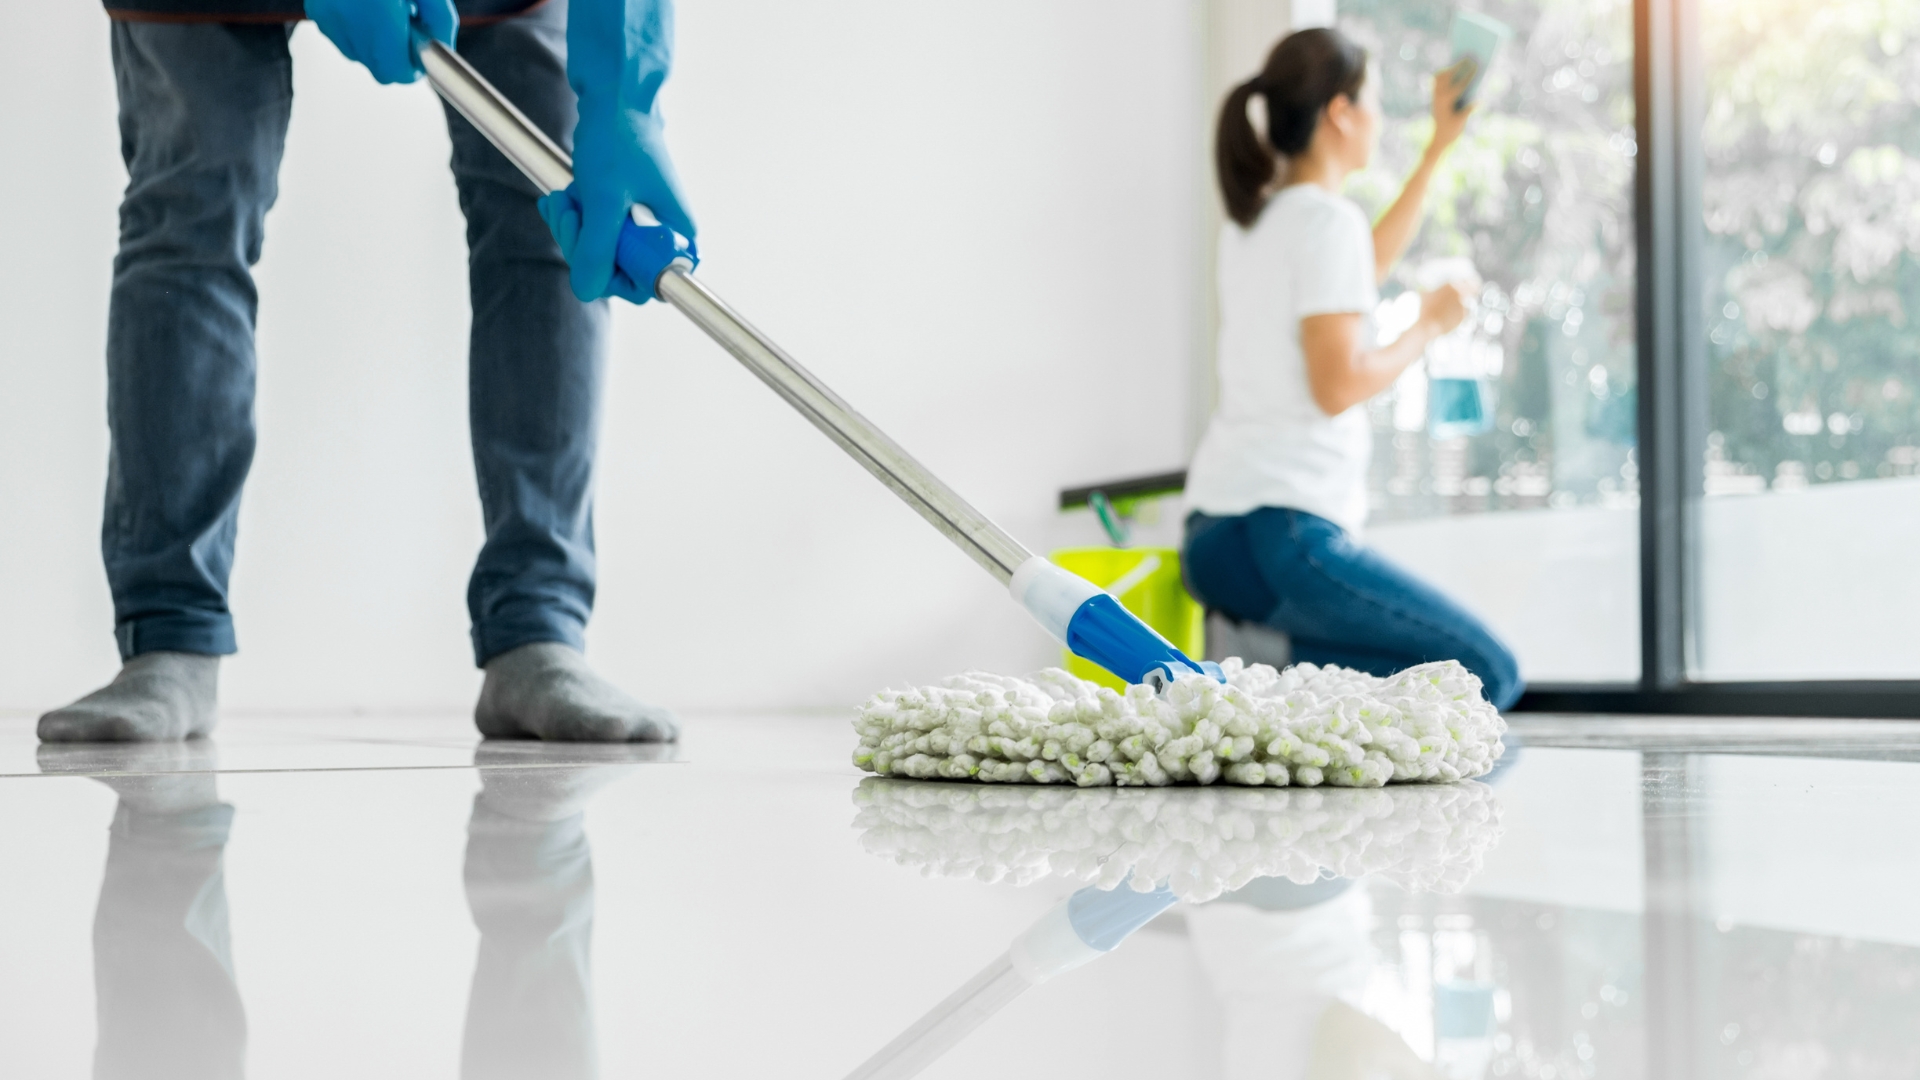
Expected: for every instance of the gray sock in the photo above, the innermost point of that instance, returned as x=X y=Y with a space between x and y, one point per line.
x=157 y=697
x=546 y=691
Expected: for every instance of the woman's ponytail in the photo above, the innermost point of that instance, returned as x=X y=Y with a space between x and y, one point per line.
x=1241 y=158
x=1303 y=73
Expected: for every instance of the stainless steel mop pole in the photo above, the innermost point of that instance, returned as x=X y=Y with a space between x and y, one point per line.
x=1075 y=611
x=551 y=169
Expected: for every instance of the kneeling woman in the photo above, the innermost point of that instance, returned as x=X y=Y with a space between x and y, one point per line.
x=1279 y=482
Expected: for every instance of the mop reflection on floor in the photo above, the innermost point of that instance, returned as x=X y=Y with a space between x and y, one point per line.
x=1284 y=940
x=1088 y=925
x=1199 y=841
x=169 y=1005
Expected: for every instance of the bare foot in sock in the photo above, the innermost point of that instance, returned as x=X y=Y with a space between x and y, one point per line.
x=157 y=697
x=546 y=691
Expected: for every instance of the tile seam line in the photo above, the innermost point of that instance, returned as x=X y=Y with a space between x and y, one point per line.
x=328 y=769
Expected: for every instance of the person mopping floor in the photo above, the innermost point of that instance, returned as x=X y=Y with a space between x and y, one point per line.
x=205 y=95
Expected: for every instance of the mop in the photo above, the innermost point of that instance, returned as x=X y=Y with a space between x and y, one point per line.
x=1166 y=845
x=1305 y=726
x=1074 y=611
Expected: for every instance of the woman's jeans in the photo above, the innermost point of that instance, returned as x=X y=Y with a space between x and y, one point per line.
x=203 y=120
x=1339 y=602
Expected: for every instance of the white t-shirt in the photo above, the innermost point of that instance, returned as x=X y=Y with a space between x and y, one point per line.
x=1311 y=253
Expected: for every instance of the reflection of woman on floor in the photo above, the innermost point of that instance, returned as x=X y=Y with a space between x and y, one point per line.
x=1279 y=481
x=1289 y=965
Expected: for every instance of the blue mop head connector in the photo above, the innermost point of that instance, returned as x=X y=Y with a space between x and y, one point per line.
x=1094 y=625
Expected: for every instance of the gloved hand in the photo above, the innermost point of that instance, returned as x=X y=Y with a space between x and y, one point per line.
x=618 y=54
x=376 y=32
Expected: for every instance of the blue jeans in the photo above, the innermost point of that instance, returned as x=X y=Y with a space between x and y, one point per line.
x=1339 y=602
x=203 y=121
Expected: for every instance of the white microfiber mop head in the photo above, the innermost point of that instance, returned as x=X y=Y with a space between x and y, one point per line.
x=1200 y=843
x=1304 y=726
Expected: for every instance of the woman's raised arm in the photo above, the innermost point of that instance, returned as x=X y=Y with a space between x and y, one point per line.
x=1395 y=229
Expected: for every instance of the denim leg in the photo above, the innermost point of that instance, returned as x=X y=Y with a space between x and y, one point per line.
x=535 y=360
x=1218 y=567
x=1342 y=603
x=203 y=120
x=1339 y=602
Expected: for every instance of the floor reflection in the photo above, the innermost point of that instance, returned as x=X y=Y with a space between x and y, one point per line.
x=529 y=879
x=1086 y=926
x=168 y=1002
x=1200 y=842
x=1291 y=967
x=1281 y=919
x=1595 y=914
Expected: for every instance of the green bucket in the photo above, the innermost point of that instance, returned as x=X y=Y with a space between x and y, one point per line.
x=1150 y=587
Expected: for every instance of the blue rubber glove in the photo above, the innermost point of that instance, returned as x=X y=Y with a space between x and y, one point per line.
x=618 y=54
x=375 y=32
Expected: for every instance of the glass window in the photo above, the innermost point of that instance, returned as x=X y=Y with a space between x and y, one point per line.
x=1504 y=464
x=1811 y=200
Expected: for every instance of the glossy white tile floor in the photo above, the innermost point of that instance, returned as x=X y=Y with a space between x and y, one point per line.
x=326 y=898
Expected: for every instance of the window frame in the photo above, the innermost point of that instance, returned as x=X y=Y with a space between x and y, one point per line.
x=1669 y=87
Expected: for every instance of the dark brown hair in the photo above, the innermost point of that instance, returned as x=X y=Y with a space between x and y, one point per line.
x=1302 y=75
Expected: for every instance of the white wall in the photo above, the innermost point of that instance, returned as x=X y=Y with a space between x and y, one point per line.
x=973 y=220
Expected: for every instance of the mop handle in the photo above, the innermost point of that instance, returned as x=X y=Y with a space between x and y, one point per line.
x=550 y=169
x=1075 y=611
